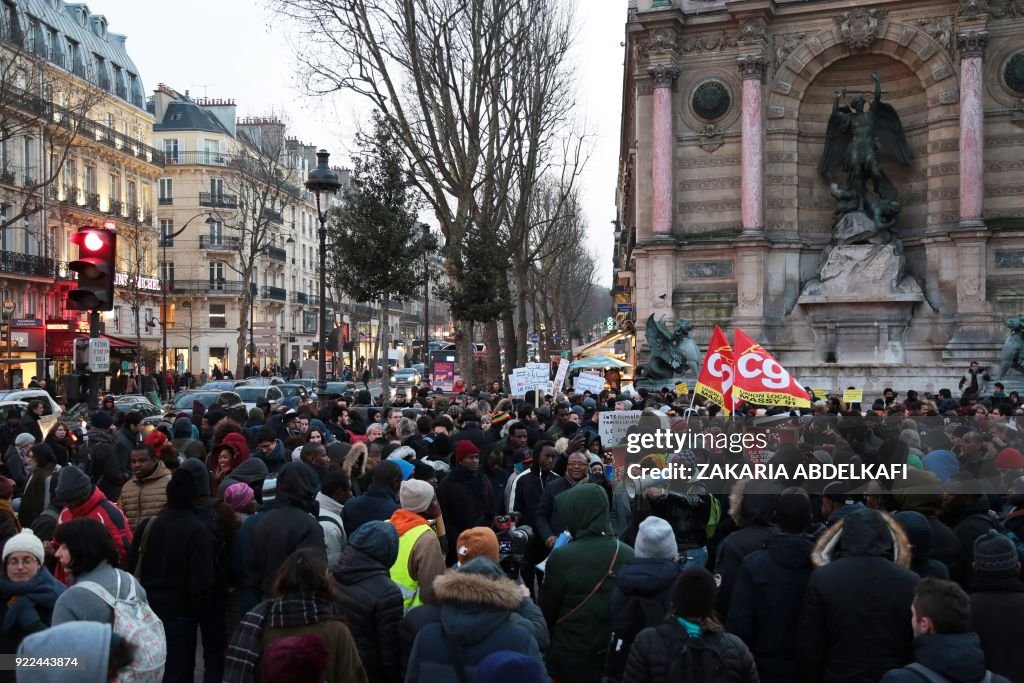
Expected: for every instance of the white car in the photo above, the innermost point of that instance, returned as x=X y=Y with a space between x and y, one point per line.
x=252 y=395
x=21 y=397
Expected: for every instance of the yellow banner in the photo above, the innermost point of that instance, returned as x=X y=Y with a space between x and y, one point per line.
x=853 y=396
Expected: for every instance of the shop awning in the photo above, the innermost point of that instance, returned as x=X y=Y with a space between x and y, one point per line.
x=62 y=342
x=601 y=346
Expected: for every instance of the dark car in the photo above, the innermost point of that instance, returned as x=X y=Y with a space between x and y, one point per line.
x=228 y=401
x=336 y=389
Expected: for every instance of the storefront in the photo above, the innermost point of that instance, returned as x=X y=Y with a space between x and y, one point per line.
x=21 y=338
x=619 y=344
x=60 y=347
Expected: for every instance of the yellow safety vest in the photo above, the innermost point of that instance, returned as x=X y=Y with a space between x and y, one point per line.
x=400 y=569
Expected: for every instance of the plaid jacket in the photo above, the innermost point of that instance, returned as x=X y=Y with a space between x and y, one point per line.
x=241 y=662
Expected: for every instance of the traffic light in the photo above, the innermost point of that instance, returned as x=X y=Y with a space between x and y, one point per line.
x=97 y=251
x=81 y=355
x=332 y=339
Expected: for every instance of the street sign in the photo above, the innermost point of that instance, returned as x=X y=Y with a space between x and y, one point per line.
x=624 y=308
x=126 y=366
x=534 y=338
x=609 y=324
x=99 y=355
x=10 y=305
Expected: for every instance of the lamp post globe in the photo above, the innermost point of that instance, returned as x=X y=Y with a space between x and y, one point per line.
x=322 y=180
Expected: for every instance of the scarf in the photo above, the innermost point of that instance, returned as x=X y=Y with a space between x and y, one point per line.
x=692 y=629
x=22 y=598
x=7 y=511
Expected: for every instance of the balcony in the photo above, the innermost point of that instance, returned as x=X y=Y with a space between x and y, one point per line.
x=116 y=208
x=300 y=298
x=197 y=159
x=218 y=201
x=277 y=254
x=7 y=177
x=92 y=201
x=24 y=264
x=218 y=243
x=275 y=293
x=28 y=181
x=205 y=287
x=272 y=216
x=165 y=201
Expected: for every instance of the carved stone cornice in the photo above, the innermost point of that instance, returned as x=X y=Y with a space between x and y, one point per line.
x=662 y=40
x=972 y=8
x=861 y=27
x=752 y=31
x=752 y=66
x=663 y=74
x=972 y=43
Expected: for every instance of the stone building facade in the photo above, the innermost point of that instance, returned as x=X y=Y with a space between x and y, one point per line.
x=723 y=217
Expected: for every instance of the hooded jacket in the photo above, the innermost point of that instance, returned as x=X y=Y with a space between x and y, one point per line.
x=103 y=466
x=476 y=618
x=957 y=657
x=997 y=616
x=572 y=573
x=861 y=577
x=110 y=515
x=767 y=598
x=923 y=493
x=88 y=641
x=290 y=525
x=752 y=506
x=252 y=472
x=145 y=497
x=371 y=602
x=919 y=533
x=376 y=503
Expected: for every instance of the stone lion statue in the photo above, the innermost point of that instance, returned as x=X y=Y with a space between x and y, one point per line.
x=1013 y=348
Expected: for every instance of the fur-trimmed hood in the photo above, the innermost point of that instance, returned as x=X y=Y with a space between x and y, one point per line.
x=753 y=502
x=476 y=601
x=863 y=533
x=467 y=588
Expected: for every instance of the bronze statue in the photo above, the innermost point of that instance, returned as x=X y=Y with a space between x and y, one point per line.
x=1013 y=349
x=853 y=140
x=672 y=353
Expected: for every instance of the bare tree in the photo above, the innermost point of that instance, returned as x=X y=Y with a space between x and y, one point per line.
x=134 y=246
x=450 y=76
x=46 y=113
x=260 y=185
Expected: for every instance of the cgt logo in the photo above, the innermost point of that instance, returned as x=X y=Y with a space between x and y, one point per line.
x=720 y=367
x=767 y=370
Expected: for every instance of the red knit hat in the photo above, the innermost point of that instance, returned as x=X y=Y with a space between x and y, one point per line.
x=156 y=439
x=465 y=448
x=1009 y=459
x=238 y=444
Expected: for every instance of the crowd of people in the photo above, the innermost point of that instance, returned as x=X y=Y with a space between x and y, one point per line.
x=480 y=538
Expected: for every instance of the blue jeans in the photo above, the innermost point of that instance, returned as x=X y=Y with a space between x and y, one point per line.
x=695 y=557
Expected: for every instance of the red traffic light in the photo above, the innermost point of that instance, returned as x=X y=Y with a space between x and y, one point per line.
x=97 y=251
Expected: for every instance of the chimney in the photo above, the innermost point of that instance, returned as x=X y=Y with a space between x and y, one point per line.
x=222 y=109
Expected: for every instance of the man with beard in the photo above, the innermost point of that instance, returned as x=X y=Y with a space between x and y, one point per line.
x=549 y=521
x=518 y=436
x=466 y=498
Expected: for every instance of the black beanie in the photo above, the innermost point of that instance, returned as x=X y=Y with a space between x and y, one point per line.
x=694 y=594
x=182 y=489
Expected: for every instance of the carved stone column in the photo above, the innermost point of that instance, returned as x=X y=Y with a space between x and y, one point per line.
x=972 y=127
x=752 y=68
x=662 y=148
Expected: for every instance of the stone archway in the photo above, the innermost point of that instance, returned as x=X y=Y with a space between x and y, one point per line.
x=911 y=54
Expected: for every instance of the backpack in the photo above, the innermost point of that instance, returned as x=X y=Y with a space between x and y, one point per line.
x=182 y=455
x=695 y=661
x=637 y=613
x=933 y=677
x=136 y=622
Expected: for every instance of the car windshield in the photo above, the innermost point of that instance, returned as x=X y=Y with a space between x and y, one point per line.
x=251 y=394
x=337 y=387
x=290 y=390
x=226 y=385
x=184 y=402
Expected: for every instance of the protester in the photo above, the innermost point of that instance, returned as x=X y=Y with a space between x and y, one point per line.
x=28 y=591
x=752 y=506
x=145 y=494
x=679 y=647
x=82 y=500
x=466 y=497
x=300 y=604
x=37 y=489
x=380 y=500
x=997 y=604
x=370 y=601
x=420 y=559
x=102 y=655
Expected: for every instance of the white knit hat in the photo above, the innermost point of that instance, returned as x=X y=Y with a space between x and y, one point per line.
x=25 y=542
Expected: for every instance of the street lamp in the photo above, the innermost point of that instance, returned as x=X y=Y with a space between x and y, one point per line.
x=426 y=293
x=322 y=180
x=166 y=237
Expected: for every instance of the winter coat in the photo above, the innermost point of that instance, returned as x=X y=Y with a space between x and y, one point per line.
x=30 y=425
x=16 y=470
x=104 y=467
x=81 y=604
x=329 y=517
x=376 y=503
x=476 y=618
x=497 y=479
x=84 y=638
x=175 y=563
x=141 y=498
x=655 y=650
x=36 y=496
x=687 y=512
x=63 y=449
x=124 y=442
x=425 y=561
x=642 y=597
x=767 y=597
x=957 y=657
x=372 y=605
x=919 y=533
x=287 y=527
x=252 y=472
x=861 y=578
x=26 y=607
x=110 y=515
x=467 y=501
x=579 y=642
x=752 y=506
x=973 y=520
x=548 y=517
x=470 y=431
x=191 y=448
x=997 y=616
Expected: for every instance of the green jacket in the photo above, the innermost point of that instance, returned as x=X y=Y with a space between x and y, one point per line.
x=578 y=644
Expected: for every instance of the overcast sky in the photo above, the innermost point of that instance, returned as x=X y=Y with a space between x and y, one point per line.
x=236 y=49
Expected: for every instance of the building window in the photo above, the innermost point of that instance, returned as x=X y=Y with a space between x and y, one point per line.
x=217 y=275
x=216 y=187
x=171 y=150
x=167 y=272
x=217 y=234
x=218 y=316
x=166 y=190
x=90 y=179
x=30 y=161
x=132 y=197
x=148 y=316
x=166 y=228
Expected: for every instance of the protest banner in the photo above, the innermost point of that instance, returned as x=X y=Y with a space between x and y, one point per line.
x=563 y=370
x=613 y=425
x=540 y=373
x=519 y=382
x=588 y=381
x=716 y=375
x=682 y=389
x=760 y=379
x=853 y=395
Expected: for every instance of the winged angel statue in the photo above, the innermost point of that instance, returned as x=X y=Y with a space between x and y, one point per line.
x=672 y=353
x=853 y=140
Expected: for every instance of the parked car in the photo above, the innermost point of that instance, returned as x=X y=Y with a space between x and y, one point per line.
x=52 y=412
x=125 y=403
x=228 y=401
x=253 y=395
x=224 y=384
x=406 y=377
x=294 y=393
x=264 y=381
x=336 y=389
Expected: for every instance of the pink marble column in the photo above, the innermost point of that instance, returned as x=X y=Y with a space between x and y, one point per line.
x=752 y=68
x=972 y=126
x=662 y=147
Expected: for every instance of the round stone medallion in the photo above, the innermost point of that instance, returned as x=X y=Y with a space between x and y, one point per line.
x=711 y=100
x=1014 y=73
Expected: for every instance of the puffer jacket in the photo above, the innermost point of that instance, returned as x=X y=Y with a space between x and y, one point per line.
x=141 y=498
x=372 y=605
x=751 y=505
x=476 y=618
x=656 y=649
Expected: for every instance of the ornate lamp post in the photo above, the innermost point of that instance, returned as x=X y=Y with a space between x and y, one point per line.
x=322 y=181
x=164 y=239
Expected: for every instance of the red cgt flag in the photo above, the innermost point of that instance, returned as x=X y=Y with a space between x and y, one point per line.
x=761 y=379
x=716 y=375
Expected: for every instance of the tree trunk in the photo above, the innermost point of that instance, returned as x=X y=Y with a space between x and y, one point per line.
x=243 y=328
x=522 y=288
x=138 y=341
x=385 y=375
x=491 y=341
x=511 y=343
x=466 y=353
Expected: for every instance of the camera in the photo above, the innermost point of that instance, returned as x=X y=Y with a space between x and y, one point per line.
x=513 y=541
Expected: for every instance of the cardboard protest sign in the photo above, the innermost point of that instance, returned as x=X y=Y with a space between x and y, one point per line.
x=587 y=381
x=613 y=425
